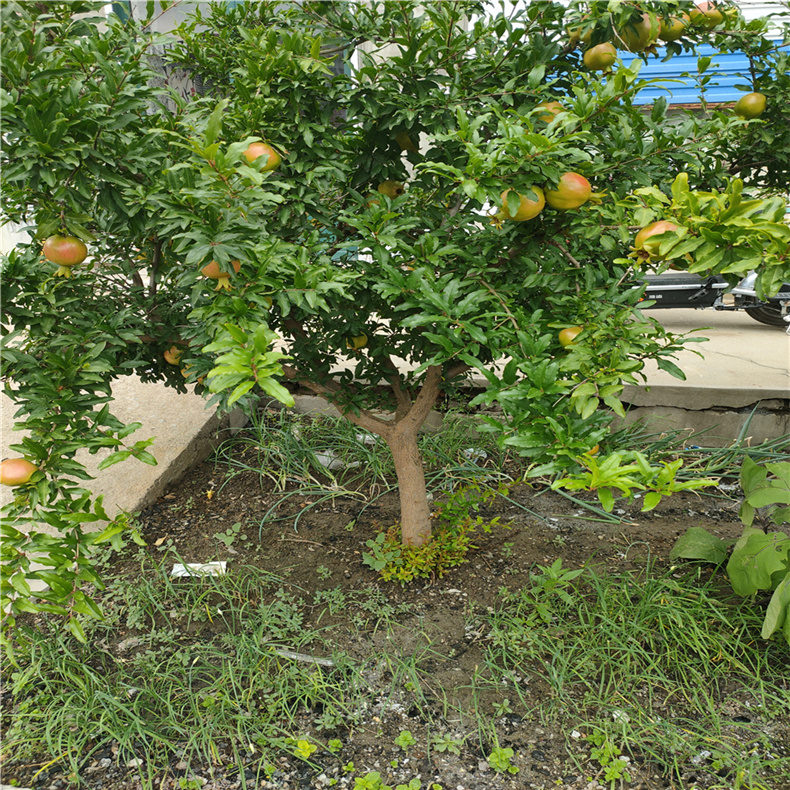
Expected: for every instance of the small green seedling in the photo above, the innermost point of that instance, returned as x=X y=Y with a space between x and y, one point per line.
x=302 y=747
x=444 y=743
x=371 y=781
x=405 y=740
x=230 y=535
x=608 y=755
x=500 y=760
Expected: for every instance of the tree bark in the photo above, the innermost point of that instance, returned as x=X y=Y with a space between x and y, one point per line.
x=415 y=512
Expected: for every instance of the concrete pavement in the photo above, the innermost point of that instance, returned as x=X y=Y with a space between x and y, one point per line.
x=746 y=367
x=741 y=381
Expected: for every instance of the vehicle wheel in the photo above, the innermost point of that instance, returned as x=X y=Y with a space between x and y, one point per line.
x=767 y=314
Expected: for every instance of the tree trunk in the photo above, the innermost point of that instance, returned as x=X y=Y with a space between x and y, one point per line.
x=415 y=512
x=400 y=435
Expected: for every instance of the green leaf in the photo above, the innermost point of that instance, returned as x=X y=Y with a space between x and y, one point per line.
x=652 y=498
x=698 y=544
x=781 y=515
x=77 y=630
x=756 y=559
x=536 y=75
x=238 y=334
x=671 y=368
x=240 y=391
x=773 y=494
x=109 y=532
x=777 y=615
x=606 y=499
x=746 y=514
x=19 y=583
x=277 y=391
x=114 y=458
x=215 y=122
x=145 y=457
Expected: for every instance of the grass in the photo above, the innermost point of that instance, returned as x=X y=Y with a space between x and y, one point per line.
x=640 y=664
x=700 y=461
x=334 y=454
x=205 y=674
x=652 y=660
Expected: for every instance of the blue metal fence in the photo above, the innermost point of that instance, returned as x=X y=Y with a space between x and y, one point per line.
x=726 y=71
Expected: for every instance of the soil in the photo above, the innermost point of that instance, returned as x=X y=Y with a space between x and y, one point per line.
x=317 y=544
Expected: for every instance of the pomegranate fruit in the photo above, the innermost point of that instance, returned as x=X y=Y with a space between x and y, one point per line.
x=601 y=57
x=256 y=150
x=638 y=36
x=572 y=191
x=706 y=14
x=355 y=343
x=752 y=105
x=642 y=241
x=66 y=251
x=405 y=142
x=580 y=31
x=530 y=205
x=551 y=109
x=213 y=272
x=673 y=28
x=16 y=471
x=391 y=189
x=173 y=355
x=568 y=335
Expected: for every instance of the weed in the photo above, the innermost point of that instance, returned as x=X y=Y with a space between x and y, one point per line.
x=169 y=689
x=627 y=472
x=334 y=745
x=666 y=637
x=500 y=760
x=450 y=541
x=323 y=572
x=230 y=535
x=759 y=560
x=301 y=748
x=335 y=599
x=503 y=708
x=609 y=757
x=445 y=743
x=405 y=740
x=370 y=781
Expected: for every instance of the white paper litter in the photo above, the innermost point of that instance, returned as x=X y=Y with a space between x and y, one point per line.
x=330 y=460
x=199 y=569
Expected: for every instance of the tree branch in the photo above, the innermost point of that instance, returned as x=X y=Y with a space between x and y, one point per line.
x=402 y=397
x=456 y=371
x=564 y=250
x=330 y=390
x=426 y=399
